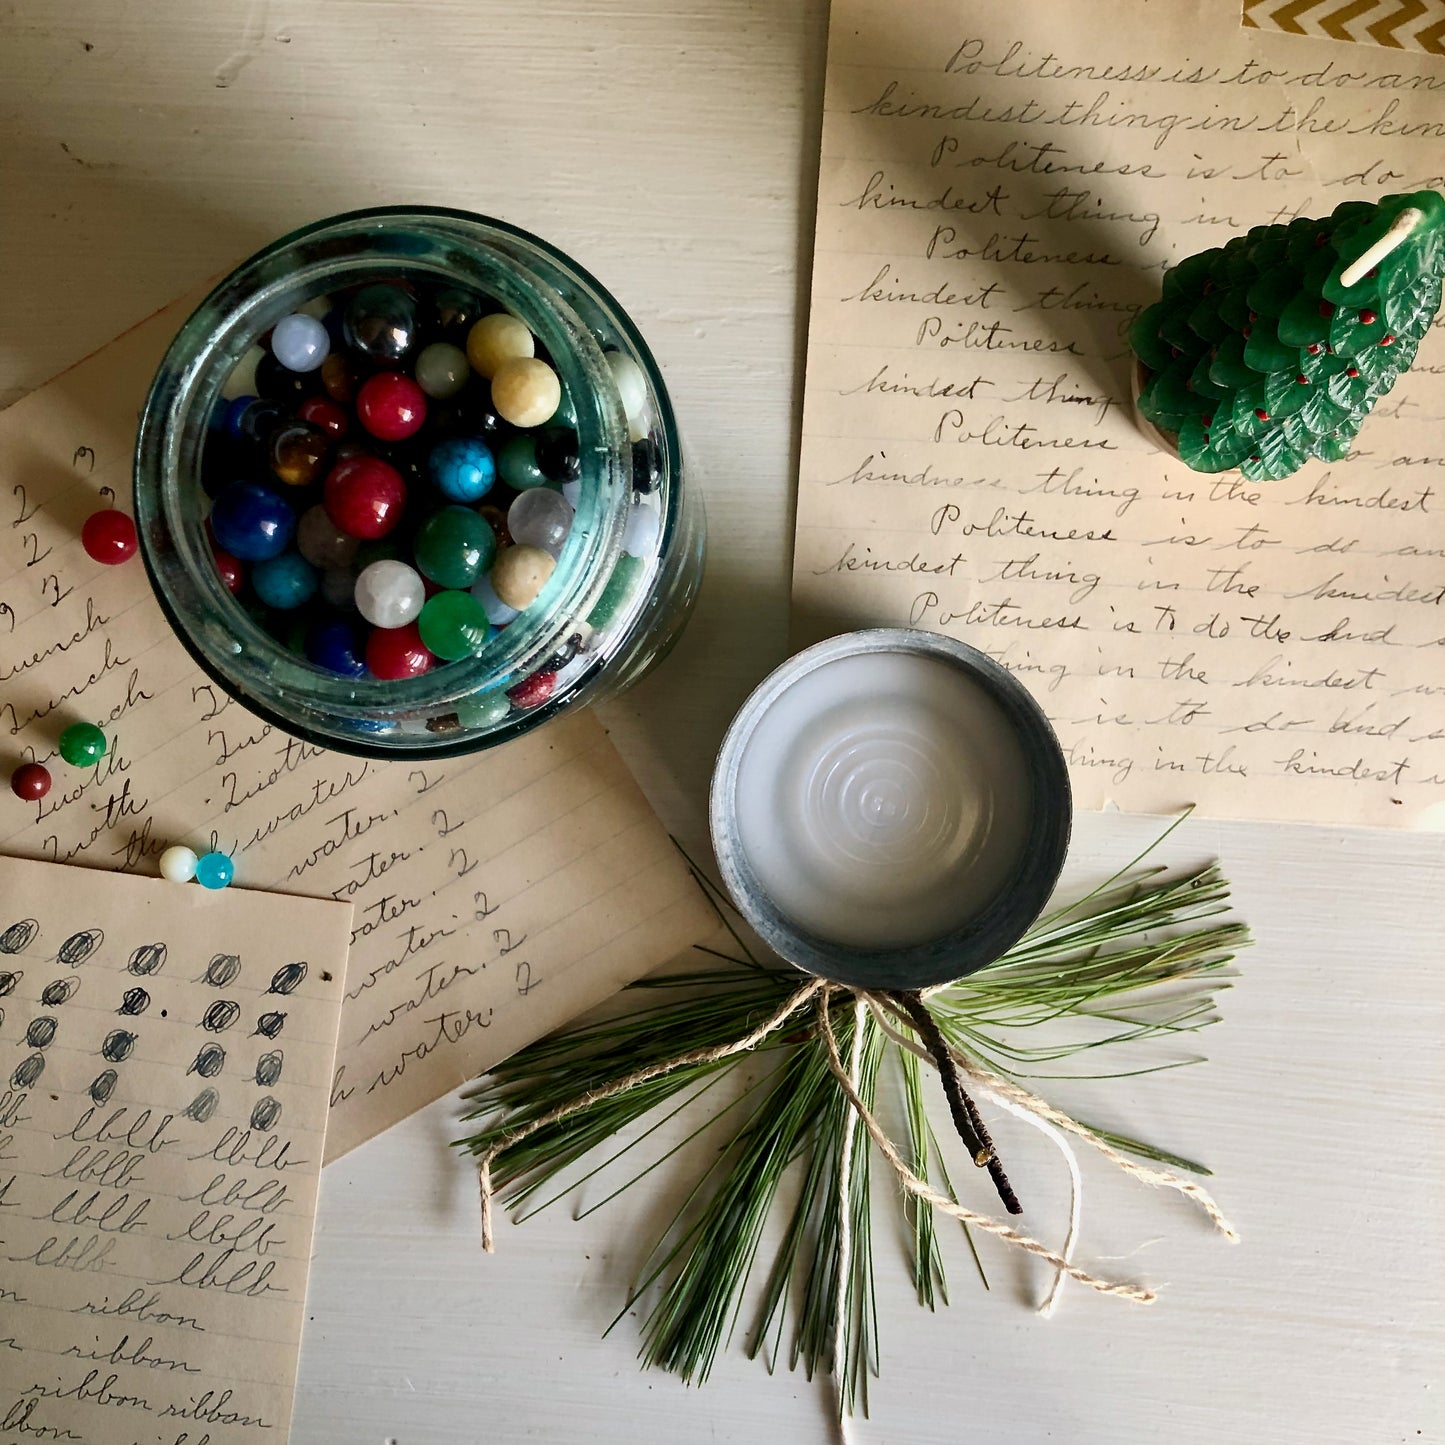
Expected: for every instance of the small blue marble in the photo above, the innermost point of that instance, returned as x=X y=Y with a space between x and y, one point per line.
x=252 y=522
x=336 y=646
x=463 y=469
x=214 y=870
x=285 y=582
x=234 y=411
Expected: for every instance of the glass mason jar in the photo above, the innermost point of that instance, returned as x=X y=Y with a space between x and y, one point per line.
x=603 y=618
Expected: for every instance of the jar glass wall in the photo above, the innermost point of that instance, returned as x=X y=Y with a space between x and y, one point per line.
x=625 y=577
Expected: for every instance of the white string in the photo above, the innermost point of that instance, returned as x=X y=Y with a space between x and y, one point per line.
x=845 y=1229
x=1076 y=1190
x=1159 y=1178
x=921 y=1189
x=1076 y=1183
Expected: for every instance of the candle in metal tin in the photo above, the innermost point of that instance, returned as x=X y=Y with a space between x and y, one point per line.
x=890 y=809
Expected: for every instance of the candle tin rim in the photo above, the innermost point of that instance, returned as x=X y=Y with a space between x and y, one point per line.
x=982 y=939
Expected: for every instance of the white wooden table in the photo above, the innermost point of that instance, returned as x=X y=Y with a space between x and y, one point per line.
x=672 y=150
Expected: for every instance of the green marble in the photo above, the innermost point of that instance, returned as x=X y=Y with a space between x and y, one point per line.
x=454 y=546
x=453 y=625
x=618 y=591
x=517 y=463
x=82 y=745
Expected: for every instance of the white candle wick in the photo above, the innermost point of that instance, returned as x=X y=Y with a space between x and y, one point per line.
x=1403 y=224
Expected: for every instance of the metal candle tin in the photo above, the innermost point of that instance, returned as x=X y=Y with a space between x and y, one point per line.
x=1010 y=909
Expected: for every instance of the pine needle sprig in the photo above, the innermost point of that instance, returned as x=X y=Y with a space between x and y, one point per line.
x=1139 y=959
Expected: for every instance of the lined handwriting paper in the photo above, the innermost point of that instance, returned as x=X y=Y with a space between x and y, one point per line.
x=494 y=896
x=165 y=1066
x=1000 y=190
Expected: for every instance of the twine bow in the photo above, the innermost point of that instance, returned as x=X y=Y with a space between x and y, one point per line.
x=1008 y=1095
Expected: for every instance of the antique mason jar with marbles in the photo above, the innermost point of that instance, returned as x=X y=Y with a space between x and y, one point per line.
x=408 y=483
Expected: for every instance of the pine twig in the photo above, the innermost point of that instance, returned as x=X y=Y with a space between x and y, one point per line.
x=966 y=1118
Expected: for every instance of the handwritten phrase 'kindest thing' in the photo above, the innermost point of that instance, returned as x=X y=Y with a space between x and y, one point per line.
x=993 y=213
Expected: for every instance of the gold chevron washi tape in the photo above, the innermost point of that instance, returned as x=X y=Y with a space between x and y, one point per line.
x=1399 y=24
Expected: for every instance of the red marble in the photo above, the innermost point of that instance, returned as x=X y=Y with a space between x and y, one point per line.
x=391 y=406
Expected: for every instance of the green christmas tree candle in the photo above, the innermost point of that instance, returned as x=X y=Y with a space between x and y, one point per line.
x=1272 y=348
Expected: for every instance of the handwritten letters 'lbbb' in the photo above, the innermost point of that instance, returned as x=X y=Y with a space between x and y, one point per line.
x=159 y=1153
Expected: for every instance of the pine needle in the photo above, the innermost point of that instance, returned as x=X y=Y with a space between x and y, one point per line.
x=1137 y=960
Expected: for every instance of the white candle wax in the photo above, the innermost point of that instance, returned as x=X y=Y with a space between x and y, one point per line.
x=883 y=800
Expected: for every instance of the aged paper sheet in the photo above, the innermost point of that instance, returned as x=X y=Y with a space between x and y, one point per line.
x=1000 y=189
x=165 y=1066
x=494 y=897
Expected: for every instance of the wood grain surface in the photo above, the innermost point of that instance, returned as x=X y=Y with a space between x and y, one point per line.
x=673 y=150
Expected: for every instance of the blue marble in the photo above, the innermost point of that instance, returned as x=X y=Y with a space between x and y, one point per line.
x=463 y=469
x=285 y=582
x=214 y=870
x=336 y=646
x=252 y=522
x=233 y=412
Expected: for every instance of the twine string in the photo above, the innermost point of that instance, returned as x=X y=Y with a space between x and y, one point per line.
x=1004 y=1092
x=1159 y=1178
x=917 y=1187
x=1071 y=1162
x=620 y=1086
x=1003 y=1089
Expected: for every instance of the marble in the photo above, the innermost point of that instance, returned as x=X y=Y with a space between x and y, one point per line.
x=297 y=453
x=631 y=383
x=300 y=342
x=540 y=518
x=336 y=645
x=338 y=588
x=364 y=496
x=517 y=463
x=618 y=593
x=391 y=406
x=453 y=546
x=520 y=573
x=380 y=323
x=252 y=522
x=178 y=864
x=442 y=370
x=525 y=391
x=214 y=870
x=642 y=531
x=321 y=542
x=30 y=781
x=453 y=625
x=396 y=653
x=646 y=466
x=82 y=745
x=499 y=614
x=558 y=455
x=109 y=537
x=340 y=376
x=533 y=691
x=230 y=570
x=485 y=710
x=330 y=416
x=286 y=582
x=389 y=593
x=462 y=469
x=496 y=339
